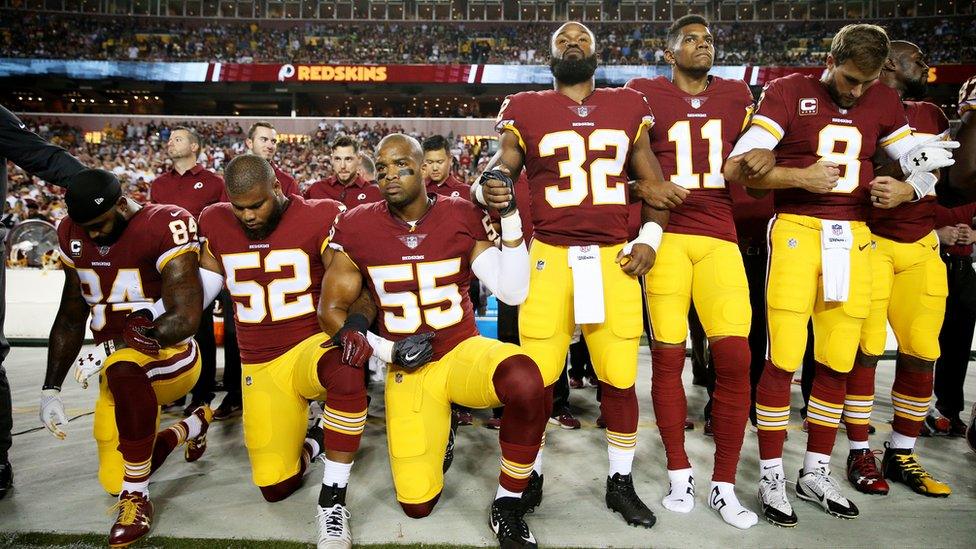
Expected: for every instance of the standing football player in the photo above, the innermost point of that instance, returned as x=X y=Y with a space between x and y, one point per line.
x=416 y=253
x=580 y=145
x=121 y=258
x=698 y=118
x=825 y=132
x=909 y=291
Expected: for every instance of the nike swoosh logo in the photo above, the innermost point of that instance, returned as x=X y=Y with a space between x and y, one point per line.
x=936 y=247
x=174 y=214
x=864 y=246
x=408 y=358
x=768 y=468
x=22 y=125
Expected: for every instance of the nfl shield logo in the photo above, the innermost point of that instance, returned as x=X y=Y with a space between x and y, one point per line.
x=103 y=250
x=582 y=111
x=398 y=377
x=696 y=103
x=836 y=229
x=412 y=240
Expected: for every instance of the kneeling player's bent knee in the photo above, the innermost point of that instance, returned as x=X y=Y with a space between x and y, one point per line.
x=419 y=510
x=518 y=378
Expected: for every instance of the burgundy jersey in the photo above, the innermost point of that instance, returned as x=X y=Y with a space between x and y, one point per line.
x=691 y=137
x=418 y=276
x=196 y=189
x=275 y=282
x=451 y=186
x=576 y=158
x=798 y=110
x=752 y=217
x=950 y=217
x=358 y=192
x=912 y=221
x=123 y=277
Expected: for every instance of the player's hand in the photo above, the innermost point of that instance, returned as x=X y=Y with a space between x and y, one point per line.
x=662 y=195
x=638 y=261
x=930 y=154
x=948 y=235
x=819 y=177
x=888 y=192
x=52 y=412
x=89 y=363
x=136 y=332
x=413 y=351
x=498 y=190
x=351 y=338
x=965 y=234
x=755 y=163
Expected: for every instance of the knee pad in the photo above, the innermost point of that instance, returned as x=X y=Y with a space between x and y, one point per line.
x=518 y=377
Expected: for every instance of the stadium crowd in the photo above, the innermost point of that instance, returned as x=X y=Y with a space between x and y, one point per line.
x=136 y=153
x=38 y=35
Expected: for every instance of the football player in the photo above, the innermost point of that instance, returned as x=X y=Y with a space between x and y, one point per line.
x=416 y=252
x=698 y=118
x=962 y=176
x=909 y=291
x=268 y=249
x=825 y=132
x=580 y=145
x=121 y=257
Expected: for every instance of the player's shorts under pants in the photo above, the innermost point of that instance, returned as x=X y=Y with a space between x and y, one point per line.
x=704 y=269
x=909 y=291
x=172 y=374
x=794 y=293
x=546 y=319
x=418 y=411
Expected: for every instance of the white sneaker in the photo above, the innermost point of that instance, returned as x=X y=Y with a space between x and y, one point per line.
x=819 y=487
x=334 y=531
x=772 y=498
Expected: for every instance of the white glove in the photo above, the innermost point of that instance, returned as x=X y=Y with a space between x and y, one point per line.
x=930 y=154
x=52 y=412
x=90 y=362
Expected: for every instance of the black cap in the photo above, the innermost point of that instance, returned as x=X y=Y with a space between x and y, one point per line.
x=90 y=194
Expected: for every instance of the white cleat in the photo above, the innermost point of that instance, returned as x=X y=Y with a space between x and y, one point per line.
x=334 y=531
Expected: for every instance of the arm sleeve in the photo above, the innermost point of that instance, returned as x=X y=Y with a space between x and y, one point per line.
x=505 y=272
x=35 y=155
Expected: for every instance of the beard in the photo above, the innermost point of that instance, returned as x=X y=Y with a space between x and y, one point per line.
x=917 y=89
x=573 y=71
x=117 y=228
x=841 y=101
x=270 y=225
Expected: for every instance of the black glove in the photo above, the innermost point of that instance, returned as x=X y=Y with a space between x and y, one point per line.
x=504 y=178
x=413 y=351
x=136 y=332
x=351 y=338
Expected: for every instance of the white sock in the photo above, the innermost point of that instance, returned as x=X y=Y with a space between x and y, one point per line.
x=193 y=426
x=769 y=467
x=141 y=487
x=537 y=466
x=813 y=460
x=900 y=441
x=621 y=461
x=336 y=473
x=503 y=493
x=314 y=445
x=722 y=498
x=681 y=496
x=859 y=444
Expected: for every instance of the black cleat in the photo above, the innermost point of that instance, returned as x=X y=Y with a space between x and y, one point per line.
x=507 y=520
x=330 y=495
x=776 y=508
x=451 y=437
x=6 y=478
x=622 y=498
x=532 y=495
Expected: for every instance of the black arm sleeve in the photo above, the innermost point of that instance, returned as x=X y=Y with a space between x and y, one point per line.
x=35 y=155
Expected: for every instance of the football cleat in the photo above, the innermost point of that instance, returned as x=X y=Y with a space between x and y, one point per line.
x=135 y=515
x=463 y=416
x=565 y=420
x=532 y=495
x=6 y=478
x=864 y=474
x=935 y=424
x=776 y=508
x=708 y=429
x=494 y=423
x=507 y=520
x=334 y=531
x=901 y=465
x=957 y=427
x=817 y=486
x=229 y=408
x=622 y=498
x=196 y=446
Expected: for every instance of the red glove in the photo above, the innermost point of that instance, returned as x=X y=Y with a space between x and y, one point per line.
x=136 y=332
x=351 y=338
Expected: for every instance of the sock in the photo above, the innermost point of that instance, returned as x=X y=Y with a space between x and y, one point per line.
x=670 y=403
x=336 y=473
x=193 y=426
x=537 y=466
x=142 y=487
x=825 y=408
x=519 y=387
x=859 y=400
x=681 y=495
x=772 y=410
x=814 y=460
x=621 y=460
x=313 y=448
x=901 y=442
x=730 y=408
x=770 y=467
x=859 y=445
x=503 y=493
x=911 y=395
x=344 y=415
x=722 y=498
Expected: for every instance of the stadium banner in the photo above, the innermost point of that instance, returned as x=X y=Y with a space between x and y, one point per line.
x=393 y=74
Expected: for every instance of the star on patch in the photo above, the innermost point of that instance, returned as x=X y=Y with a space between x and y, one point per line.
x=792 y=243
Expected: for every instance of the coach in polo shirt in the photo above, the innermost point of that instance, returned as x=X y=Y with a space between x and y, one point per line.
x=192 y=187
x=438 y=163
x=262 y=140
x=346 y=186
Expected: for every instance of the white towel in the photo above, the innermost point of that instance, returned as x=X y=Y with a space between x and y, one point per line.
x=836 y=243
x=587 y=284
